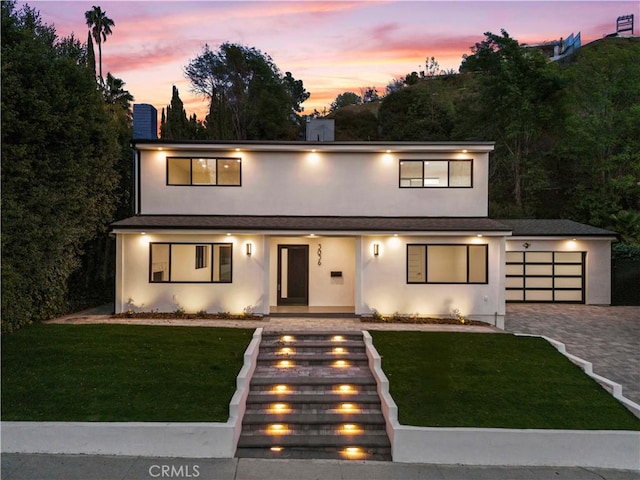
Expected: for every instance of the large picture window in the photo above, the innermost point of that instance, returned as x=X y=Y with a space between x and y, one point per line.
x=442 y=263
x=436 y=173
x=190 y=263
x=204 y=171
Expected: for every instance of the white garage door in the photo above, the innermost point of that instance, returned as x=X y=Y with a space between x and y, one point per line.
x=545 y=277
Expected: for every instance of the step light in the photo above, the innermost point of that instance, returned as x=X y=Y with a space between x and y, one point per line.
x=337 y=338
x=341 y=364
x=276 y=449
x=277 y=429
x=345 y=389
x=279 y=408
x=280 y=389
x=287 y=338
x=353 y=453
x=285 y=351
x=285 y=364
x=348 y=408
x=339 y=350
x=350 y=429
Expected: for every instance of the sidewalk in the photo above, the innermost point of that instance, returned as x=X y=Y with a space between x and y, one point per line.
x=90 y=467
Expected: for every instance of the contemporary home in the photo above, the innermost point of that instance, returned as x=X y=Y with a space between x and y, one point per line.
x=340 y=227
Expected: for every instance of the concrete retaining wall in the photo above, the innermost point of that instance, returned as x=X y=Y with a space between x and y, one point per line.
x=496 y=446
x=157 y=439
x=153 y=439
x=238 y=403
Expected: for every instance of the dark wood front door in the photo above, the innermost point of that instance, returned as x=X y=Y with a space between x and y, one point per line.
x=293 y=274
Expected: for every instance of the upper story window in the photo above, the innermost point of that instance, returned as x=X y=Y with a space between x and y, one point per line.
x=436 y=173
x=204 y=171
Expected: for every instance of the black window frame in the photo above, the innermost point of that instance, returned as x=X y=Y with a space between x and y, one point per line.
x=426 y=262
x=210 y=259
x=422 y=161
x=553 y=276
x=201 y=259
x=191 y=184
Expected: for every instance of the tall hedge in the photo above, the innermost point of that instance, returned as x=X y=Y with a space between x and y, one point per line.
x=58 y=157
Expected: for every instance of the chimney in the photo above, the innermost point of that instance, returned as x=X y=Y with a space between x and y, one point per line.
x=145 y=122
x=321 y=130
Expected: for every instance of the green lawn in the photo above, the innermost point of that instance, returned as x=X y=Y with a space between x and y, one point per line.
x=120 y=373
x=492 y=380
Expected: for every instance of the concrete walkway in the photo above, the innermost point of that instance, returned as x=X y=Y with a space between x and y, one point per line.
x=91 y=467
x=269 y=324
x=608 y=337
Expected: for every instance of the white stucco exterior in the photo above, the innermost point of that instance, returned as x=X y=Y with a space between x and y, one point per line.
x=367 y=282
x=597 y=260
x=384 y=286
x=328 y=186
x=135 y=291
x=328 y=181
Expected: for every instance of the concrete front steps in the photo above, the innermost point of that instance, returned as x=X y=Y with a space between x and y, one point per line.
x=312 y=395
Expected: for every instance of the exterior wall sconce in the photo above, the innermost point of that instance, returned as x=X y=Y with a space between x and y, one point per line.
x=249 y=248
x=376 y=249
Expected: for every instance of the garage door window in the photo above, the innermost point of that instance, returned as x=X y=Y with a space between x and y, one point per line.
x=545 y=277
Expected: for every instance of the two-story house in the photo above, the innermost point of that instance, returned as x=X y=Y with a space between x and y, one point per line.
x=340 y=227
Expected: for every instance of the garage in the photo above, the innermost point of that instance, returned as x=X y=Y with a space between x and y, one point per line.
x=557 y=261
x=545 y=276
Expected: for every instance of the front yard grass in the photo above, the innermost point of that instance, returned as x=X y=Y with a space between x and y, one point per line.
x=120 y=373
x=443 y=379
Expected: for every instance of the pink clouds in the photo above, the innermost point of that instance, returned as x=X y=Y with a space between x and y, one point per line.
x=151 y=55
x=332 y=46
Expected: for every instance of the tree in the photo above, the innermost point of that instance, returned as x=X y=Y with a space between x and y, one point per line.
x=344 y=99
x=296 y=90
x=58 y=165
x=249 y=97
x=91 y=55
x=174 y=125
x=115 y=94
x=394 y=85
x=355 y=123
x=627 y=224
x=431 y=68
x=100 y=27
x=369 y=94
x=416 y=113
x=598 y=159
x=517 y=103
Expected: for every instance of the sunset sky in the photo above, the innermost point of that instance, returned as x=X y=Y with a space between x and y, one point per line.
x=332 y=47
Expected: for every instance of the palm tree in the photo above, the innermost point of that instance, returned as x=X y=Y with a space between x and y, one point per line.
x=100 y=26
x=115 y=94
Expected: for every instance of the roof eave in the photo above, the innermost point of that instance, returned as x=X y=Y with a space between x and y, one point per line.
x=563 y=236
x=353 y=147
